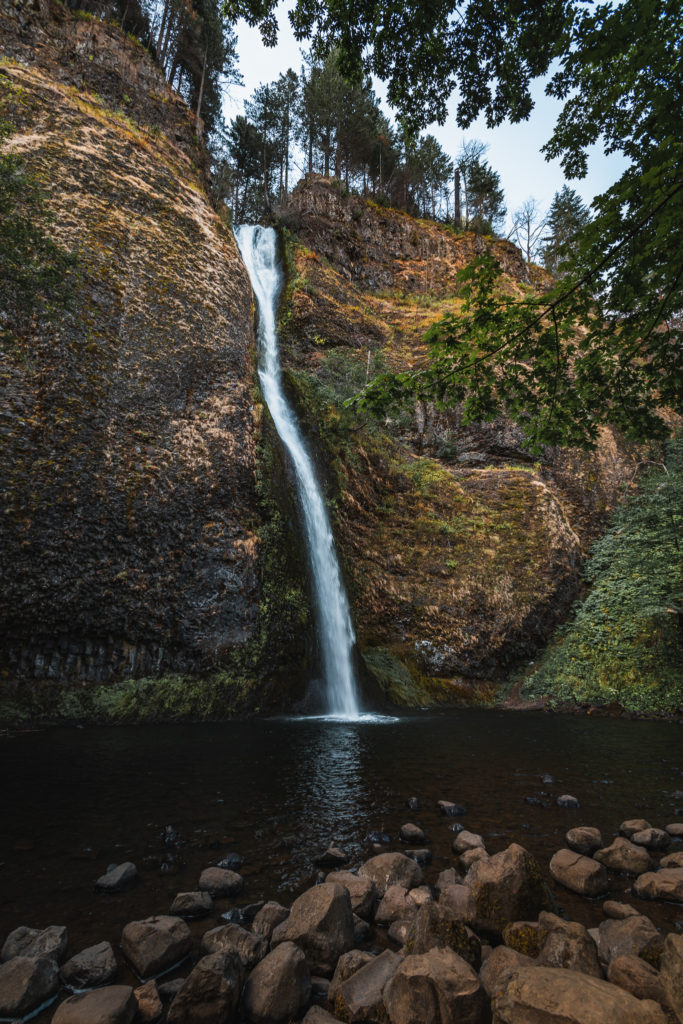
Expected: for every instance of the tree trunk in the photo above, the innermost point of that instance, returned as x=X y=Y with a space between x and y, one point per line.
x=457 y=213
x=201 y=94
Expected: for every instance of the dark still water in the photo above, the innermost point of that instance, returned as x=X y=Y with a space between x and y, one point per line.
x=175 y=799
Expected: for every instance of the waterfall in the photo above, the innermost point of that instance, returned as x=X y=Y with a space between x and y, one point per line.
x=258 y=246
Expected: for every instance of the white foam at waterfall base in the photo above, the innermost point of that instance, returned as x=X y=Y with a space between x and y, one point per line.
x=258 y=246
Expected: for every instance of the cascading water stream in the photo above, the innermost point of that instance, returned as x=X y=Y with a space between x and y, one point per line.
x=258 y=246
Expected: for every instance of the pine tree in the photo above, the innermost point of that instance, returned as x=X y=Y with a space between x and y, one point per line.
x=566 y=216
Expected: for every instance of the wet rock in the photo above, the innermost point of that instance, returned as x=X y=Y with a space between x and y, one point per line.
x=458 y=901
x=632 y=935
x=211 y=991
x=584 y=839
x=434 y=928
x=49 y=942
x=470 y=857
x=507 y=887
x=391 y=869
x=671 y=973
x=525 y=937
x=618 y=911
x=410 y=833
x=114 y=1004
x=155 y=944
x=413 y=803
x=221 y=882
x=652 y=838
x=632 y=825
x=362 y=891
x=450 y=809
x=396 y=905
x=568 y=801
x=449 y=876
x=321 y=923
x=360 y=997
x=568 y=945
x=333 y=857
x=623 y=855
x=347 y=965
x=231 y=862
x=551 y=995
x=118 y=877
x=150 y=1006
x=666 y=884
x=637 y=977
x=435 y=986
x=468 y=841
x=268 y=918
x=25 y=984
x=192 y=904
x=579 y=874
x=675 y=829
x=279 y=988
x=90 y=968
x=498 y=966
x=672 y=860
x=231 y=938
x=421 y=856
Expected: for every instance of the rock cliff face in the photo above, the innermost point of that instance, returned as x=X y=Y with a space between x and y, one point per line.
x=461 y=551
x=129 y=518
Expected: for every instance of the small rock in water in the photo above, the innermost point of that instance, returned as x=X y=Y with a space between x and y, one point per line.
x=653 y=838
x=90 y=968
x=117 y=877
x=584 y=839
x=421 y=856
x=675 y=829
x=333 y=857
x=192 y=904
x=155 y=945
x=633 y=825
x=579 y=874
x=231 y=862
x=566 y=800
x=411 y=834
x=468 y=841
x=413 y=803
x=547 y=780
x=618 y=911
x=457 y=827
x=450 y=809
x=672 y=860
x=220 y=882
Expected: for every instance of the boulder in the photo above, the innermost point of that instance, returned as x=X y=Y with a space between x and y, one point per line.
x=468 y=858
x=652 y=838
x=458 y=901
x=35 y=942
x=117 y=878
x=567 y=944
x=434 y=928
x=321 y=923
x=347 y=964
x=666 y=884
x=25 y=984
x=396 y=905
x=220 y=882
x=90 y=968
x=279 y=988
x=498 y=966
x=671 y=973
x=211 y=991
x=632 y=935
x=450 y=809
x=410 y=833
x=672 y=860
x=618 y=911
x=579 y=874
x=155 y=944
x=637 y=977
x=362 y=891
x=525 y=937
x=507 y=887
x=468 y=841
x=114 y=1004
x=623 y=855
x=633 y=825
x=150 y=1006
x=192 y=904
x=391 y=869
x=584 y=839
x=249 y=948
x=333 y=857
x=550 y=995
x=360 y=996
x=435 y=986
x=399 y=932
x=268 y=918
x=568 y=801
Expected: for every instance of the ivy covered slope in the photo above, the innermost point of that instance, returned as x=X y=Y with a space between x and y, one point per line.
x=623 y=645
x=131 y=459
x=462 y=552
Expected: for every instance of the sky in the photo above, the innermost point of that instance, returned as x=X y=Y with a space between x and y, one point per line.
x=514 y=150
